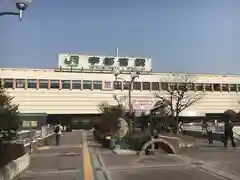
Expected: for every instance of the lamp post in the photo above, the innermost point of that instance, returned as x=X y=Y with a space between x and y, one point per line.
x=133 y=76
x=21 y=6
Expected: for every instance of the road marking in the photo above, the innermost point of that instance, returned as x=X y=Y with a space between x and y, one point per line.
x=87 y=165
x=52 y=172
x=44 y=148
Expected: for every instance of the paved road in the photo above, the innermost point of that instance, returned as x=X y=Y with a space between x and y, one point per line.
x=71 y=161
x=64 y=162
x=205 y=163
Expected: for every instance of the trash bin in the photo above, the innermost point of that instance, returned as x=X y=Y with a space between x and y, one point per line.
x=106 y=142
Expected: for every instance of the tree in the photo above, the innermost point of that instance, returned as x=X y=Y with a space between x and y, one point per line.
x=9 y=117
x=179 y=95
x=109 y=121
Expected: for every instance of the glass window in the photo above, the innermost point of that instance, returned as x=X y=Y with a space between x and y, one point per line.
x=8 y=83
x=107 y=84
x=233 y=87
x=186 y=86
x=87 y=84
x=164 y=86
x=126 y=85
x=208 y=87
x=20 y=83
x=216 y=87
x=66 y=84
x=136 y=85
x=174 y=86
x=239 y=87
x=225 y=87
x=183 y=86
x=97 y=84
x=199 y=87
x=117 y=85
x=43 y=84
x=155 y=86
x=32 y=83
x=146 y=85
x=76 y=84
x=54 y=84
x=191 y=86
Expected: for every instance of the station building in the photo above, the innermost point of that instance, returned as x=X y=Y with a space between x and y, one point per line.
x=75 y=90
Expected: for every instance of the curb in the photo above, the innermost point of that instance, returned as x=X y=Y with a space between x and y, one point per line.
x=100 y=171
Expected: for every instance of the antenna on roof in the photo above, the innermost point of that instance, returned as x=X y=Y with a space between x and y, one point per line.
x=116 y=52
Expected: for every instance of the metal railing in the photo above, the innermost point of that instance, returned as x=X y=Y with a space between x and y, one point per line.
x=219 y=129
x=29 y=136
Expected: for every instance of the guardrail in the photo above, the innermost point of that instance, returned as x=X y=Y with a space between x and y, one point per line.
x=28 y=136
x=219 y=129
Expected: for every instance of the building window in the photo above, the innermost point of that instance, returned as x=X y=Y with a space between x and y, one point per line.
x=32 y=83
x=183 y=86
x=66 y=84
x=117 y=85
x=20 y=83
x=126 y=85
x=216 y=87
x=146 y=85
x=76 y=84
x=208 y=87
x=107 y=85
x=136 y=85
x=54 y=84
x=233 y=87
x=155 y=86
x=87 y=84
x=238 y=87
x=199 y=87
x=8 y=83
x=191 y=86
x=225 y=87
x=164 y=86
x=97 y=84
x=43 y=84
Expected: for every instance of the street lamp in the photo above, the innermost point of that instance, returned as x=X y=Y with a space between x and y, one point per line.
x=21 y=6
x=133 y=76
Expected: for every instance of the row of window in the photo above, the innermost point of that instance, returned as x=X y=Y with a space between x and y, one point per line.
x=116 y=85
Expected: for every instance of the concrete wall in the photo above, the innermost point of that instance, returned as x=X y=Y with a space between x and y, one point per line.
x=15 y=167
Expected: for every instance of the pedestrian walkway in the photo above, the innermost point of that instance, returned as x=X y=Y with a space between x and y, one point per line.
x=57 y=162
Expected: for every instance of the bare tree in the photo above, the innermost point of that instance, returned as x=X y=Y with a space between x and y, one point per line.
x=179 y=94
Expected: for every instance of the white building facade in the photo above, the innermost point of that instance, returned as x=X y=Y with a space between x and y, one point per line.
x=81 y=92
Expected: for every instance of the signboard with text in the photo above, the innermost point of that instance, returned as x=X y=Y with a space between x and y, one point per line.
x=95 y=62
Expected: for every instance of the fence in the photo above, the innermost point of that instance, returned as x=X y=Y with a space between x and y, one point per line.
x=27 y=136
x=217 y=129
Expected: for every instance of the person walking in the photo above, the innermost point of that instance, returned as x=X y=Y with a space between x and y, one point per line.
x=228 y=133
x=58 y=133
x=209 y=127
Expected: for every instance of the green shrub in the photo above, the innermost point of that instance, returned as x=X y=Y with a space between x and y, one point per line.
x=136 y=140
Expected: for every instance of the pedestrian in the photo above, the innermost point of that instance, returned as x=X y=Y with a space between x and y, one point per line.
x=180 y=127
x=204 y=128
x=228 y=133
x=58 y=133
x=210 y=132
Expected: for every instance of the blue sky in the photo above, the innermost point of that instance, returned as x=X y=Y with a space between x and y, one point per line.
x=179 y=35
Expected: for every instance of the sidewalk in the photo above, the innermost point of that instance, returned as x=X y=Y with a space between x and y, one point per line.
x=57 y=162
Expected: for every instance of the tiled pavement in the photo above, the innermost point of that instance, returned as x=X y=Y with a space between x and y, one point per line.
x=65 y=163
x=204 y=163
x=62 y=162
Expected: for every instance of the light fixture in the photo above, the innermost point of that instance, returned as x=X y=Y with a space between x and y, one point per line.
x=21 y=6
